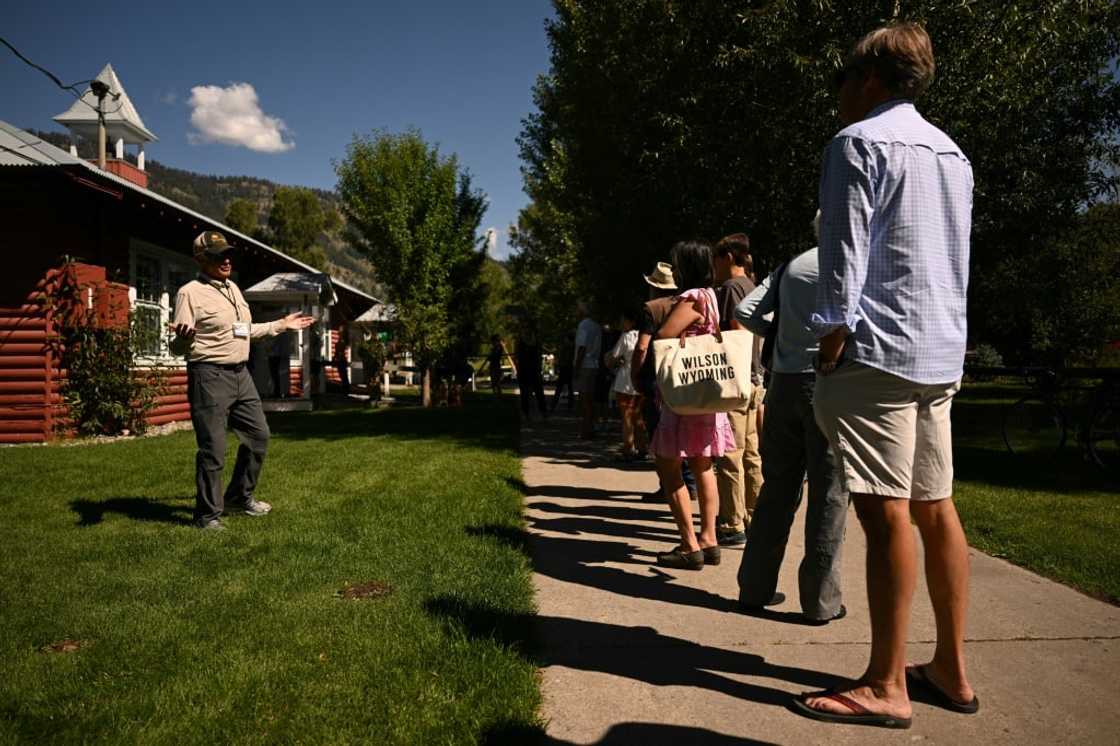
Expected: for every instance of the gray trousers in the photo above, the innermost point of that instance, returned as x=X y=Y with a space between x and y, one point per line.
x=792 y=445
x=222 y=396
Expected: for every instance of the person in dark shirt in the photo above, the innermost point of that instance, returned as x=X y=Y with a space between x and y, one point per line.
x=528 y=356
x=739 y=472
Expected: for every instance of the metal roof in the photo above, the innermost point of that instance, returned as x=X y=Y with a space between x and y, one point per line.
x=378 y=312
x=24 y=149
x=121 y=118
x=19 y=148
x=289 y=284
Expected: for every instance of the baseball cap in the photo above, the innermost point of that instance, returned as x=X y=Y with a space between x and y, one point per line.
x=211 y=243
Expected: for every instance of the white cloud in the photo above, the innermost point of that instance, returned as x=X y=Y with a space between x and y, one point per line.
x=233 y=116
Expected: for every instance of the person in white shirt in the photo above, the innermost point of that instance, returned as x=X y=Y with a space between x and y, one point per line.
x=589 y=339
x=634 y=438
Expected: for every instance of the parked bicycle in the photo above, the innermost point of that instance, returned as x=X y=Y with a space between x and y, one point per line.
x=1038 y=424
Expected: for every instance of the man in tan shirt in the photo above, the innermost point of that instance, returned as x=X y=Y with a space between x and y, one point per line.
x=213 y=327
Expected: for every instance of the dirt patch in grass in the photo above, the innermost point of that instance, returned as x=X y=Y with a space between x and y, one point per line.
x=65 y=646
x=368 y=589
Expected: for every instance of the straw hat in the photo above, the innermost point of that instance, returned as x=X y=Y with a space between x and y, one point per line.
x=662 y=277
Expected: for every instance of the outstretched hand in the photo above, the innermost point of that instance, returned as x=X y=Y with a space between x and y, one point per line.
x=296 y=321
x=184 y=331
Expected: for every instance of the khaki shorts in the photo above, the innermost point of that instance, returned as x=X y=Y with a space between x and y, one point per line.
x=892 y=437
x=585 y=379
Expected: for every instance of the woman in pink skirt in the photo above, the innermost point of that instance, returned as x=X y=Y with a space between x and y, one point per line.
x=696 y=437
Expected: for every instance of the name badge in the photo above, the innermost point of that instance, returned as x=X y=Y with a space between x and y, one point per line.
x=241 y=330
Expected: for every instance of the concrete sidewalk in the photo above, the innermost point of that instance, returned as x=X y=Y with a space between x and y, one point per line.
x=634 y=654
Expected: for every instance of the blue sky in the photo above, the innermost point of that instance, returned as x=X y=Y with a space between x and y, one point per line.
x=460 y=72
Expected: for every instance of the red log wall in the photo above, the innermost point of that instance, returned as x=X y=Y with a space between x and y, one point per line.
x=31 y=409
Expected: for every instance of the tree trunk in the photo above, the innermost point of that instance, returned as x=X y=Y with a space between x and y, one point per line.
x=426 y=386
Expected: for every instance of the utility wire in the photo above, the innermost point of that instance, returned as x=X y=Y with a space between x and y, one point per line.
x=72 y=88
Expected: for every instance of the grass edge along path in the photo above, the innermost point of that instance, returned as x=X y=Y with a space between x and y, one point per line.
x=1058 y=517
x=190 y=637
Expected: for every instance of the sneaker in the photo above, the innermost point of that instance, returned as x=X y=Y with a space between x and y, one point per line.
x=255 y=508
x=731 y=538
x=211 y=525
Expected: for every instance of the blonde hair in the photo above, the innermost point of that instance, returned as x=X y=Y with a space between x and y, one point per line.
x=901 y=54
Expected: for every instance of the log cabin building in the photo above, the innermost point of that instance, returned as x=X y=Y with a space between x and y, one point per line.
x=131 y=247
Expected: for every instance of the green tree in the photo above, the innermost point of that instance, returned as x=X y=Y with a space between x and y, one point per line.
x=664 y=120
x=241 y=215
x=296 y=220
x=479 y=285
x=416 y=216
x=546 y=270
x=1075 y=285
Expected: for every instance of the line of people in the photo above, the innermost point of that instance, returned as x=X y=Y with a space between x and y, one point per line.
x=864 y=343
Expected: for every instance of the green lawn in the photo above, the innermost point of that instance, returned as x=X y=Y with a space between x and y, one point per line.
x=197 y=637
x=1059 y=517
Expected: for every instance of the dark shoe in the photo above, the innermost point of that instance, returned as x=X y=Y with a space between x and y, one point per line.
x=254 y=508
x=678 y=559
x=711 y=555
x=775 y=600
x=732 y=538
x=821 y=622
x=211 y=525
x=921 y=689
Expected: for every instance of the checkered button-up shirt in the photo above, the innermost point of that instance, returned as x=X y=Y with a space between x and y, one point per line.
x=896 y=213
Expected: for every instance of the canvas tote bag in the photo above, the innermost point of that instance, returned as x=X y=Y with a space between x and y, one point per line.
x=705 y=374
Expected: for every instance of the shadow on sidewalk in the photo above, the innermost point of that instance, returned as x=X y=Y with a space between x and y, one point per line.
x=620 y=734
x=581 y=561
x=640 y=653
x=611 y=512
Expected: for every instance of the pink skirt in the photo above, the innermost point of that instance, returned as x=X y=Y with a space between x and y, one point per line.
x=690 y=435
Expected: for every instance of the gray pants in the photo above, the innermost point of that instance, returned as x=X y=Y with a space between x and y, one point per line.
x=792 y=445
x=222 y=396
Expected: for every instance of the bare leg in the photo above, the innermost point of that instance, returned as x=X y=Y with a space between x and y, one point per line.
x=707 y=494
x=947 y=577
x=625 y=405
x=891 y=575
x=669 y=470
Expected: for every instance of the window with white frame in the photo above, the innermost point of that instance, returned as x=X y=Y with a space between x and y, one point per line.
x=156 y=275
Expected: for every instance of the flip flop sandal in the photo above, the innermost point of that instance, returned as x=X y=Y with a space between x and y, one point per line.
x=859 y=715
x=919 y=683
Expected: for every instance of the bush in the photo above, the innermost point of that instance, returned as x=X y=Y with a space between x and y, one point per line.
x=988 y=356
x=103 y=391
x=373 y=353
